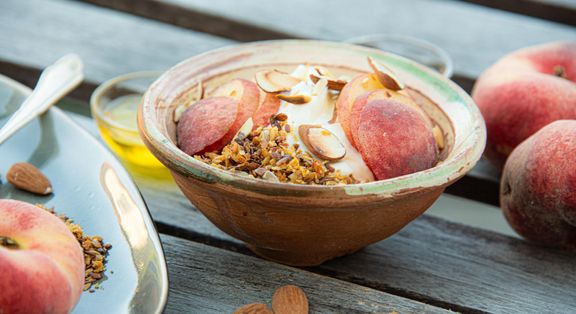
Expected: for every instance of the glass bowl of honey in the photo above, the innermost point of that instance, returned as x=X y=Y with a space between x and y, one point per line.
x=419 y=50
x=114 y=105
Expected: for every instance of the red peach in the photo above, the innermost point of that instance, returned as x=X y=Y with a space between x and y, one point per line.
x=359 y=85
x=362 y=100
x=43 y=272
x=523 y=92
x=247 y=93
x=204 y=125
x=395 y=139
x=538 y=186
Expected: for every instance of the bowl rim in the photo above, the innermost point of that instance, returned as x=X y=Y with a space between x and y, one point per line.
x=96 y=102
x=440 y=175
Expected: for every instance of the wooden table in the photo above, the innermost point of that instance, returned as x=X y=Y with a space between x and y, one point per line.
x=433 y=265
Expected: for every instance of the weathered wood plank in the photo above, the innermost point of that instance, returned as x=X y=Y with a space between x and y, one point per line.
x=197 y=20
x=562 y=11
x=205 y=279
x=35 y=33
x=473 y=35
x=431 y=260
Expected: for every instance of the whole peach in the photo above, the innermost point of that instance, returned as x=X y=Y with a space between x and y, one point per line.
x=41 y=263
x=523 y=92
x=538 y=187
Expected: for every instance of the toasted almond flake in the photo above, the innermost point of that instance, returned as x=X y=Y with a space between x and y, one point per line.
x=321 y=142
x=269 y=176
x=245 y=129
x=385 y=75
x=333 y=84
x=298 y=99
x=275 y=81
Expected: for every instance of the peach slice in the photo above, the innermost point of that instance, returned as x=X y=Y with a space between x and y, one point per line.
x=205 y=125
x=385 y=75
x=275 y=81
x=268 y=107
x=332 y=83
x=359 y=85
x=321 y=142
x=247 y=94
x=362 y=100
x=395 y=139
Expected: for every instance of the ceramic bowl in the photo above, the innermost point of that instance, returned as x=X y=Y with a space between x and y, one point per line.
x=300 y=224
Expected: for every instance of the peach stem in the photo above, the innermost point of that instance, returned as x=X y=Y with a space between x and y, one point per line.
x=8 y=243
x=560 y=71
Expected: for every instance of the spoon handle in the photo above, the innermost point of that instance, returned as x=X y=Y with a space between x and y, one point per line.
x=55 y=81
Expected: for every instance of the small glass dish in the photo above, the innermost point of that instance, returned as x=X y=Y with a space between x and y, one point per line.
x=114 y=105
x=412 y=48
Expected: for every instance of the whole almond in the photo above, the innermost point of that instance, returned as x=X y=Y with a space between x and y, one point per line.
x=290 y=300
x=27 y=177
x=253 y=308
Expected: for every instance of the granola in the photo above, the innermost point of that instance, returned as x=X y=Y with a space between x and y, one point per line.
x=94 y=248
x=267 y=154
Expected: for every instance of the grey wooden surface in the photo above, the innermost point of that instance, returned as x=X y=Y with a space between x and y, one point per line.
x=213 y=280
x=475 y=36
x=431 y=260
x=562 y=11
x=447 y=265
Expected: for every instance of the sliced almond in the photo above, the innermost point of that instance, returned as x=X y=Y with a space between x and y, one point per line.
x=438 y=136
x=289 y=300
x=321 y=142
x=275 y=81
x=385 y=75
x=297 y=99
x=27 y=177
x=245 y=129
x=323 y=71
x=333 y=84
x=270 y=177
x=182 y=107
x=254 y=308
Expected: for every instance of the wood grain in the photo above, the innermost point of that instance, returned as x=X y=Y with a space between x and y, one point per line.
x=561 y=11
x=475 y=36
x=446 y=264
x=205 y=279
x=35 y=33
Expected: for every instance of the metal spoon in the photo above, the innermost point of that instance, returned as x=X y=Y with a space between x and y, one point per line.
x=55 y=81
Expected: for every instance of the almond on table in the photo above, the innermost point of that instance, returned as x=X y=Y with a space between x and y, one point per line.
x=27 y=177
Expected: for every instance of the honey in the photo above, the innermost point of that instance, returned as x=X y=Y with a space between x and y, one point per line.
x=118 y=128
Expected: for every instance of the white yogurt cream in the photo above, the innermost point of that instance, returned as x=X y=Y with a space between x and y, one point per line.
x=319 y=111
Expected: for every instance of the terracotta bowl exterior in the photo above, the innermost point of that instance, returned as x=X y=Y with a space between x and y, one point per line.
x=299 y=224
